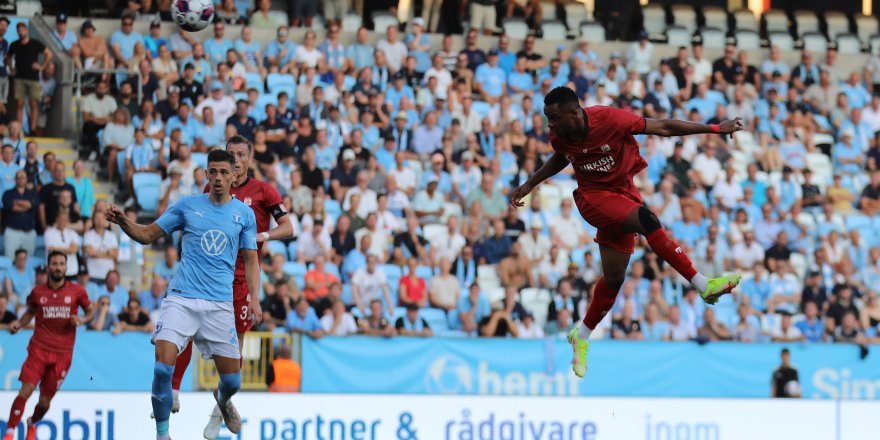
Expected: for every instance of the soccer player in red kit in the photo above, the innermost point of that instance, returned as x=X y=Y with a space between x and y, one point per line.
x=55 y=305
x=264 y=199
x=598 y=142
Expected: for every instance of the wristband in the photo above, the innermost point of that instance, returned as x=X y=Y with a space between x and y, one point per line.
x=715 y=128
x=265 y=236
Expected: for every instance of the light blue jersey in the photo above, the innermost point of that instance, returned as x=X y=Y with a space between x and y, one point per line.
x=212 y=236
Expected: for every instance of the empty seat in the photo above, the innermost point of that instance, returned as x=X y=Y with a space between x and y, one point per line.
x=553 y=30
x=815 y=42
x=253 y=80
x=515 y=28
x=654 y=19
x=781 y=39
x=745 y=20
x=775 y=21
x=332 y=208
x=866 y=27
x=436 y=319
x=848 y=43
x=351 y=22
x=837 y=24
x=146 y=190
x=201 y=159
x=295 y=269
x=806 y=21
x=548 y=11
x=592 y=31
x=536 y=301
x=678 y=36
x=276 y=81
x=685 y=16
x=715 y=17
x=392 y=272
x=575 y=14
x=747 y=39
x=713 y=37
x=383 y=19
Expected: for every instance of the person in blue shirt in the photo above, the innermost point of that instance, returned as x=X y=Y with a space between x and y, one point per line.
x=249 y=51
x=520 y=81
x=215 y=227
x=472 y=309
x=385 y=155
x=67 y=39
x=399 y=90
x=360 y=53
x=202 y=68
x=216 y=47
x=757 y=288
x=847 y=157
x=118 y=294
x=506 y=58
x=8 y=168
x=155 y=38
x=303 y=319
x=189 y=126
x=123 y=41
x=18 y=280
x=151 y=299
x=811 y=326
x=490 y=79
x=280 y=51
x=702 y=103
x=419 y=45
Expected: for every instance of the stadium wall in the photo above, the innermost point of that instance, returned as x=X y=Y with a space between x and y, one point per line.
x=103 y=362
x=124 y=416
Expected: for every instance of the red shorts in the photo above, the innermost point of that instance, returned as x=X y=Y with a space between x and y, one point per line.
x=47 y=368
x=606 y=210
x=241 y=304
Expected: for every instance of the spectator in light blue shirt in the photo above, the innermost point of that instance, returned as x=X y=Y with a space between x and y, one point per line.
x=652 y=328
x=118 y=294
x=519 y=81
x=472 y=309
x=846 y=156
x=280 y=51
x=189 y=127
x=774 y=63
x=303 y=319
x=211 y=132
x=757 y=288
x=154 y=39
x=399 y=90
x=151 y=299
x=702 y=103
x=249 y=50
x=428 y=137
x=333 y=50
x=124 y=40
x=490 y=79
x=811 y=326
x=139 y=155
x=506 y=58
x=858 y=95
x=67 y=39
x=556 y=74
x=203 y=69
x=361 y=52
x=216 y=47
x=419 y=45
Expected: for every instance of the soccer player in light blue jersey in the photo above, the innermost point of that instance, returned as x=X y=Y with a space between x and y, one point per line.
x=215 y=226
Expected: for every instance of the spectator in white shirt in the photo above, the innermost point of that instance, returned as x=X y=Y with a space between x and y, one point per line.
x=567 y=229
x=222 y=104
x=101 y=248
x=534 y=245
x=786 y=332
x=366 y=285
x=748 y=252
x=395 y=51
x=527 y=329
x=639 y=55
x=666 y=203
x=62 y=238
x=339 y=322
x=707 y=166
x=728 y=193
x=404 y=176
x=379 y=238
x=368 y=201
x=315 y=243
x=448 y=244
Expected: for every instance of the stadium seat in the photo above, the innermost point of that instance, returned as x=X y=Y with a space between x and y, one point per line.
x=277 y=247
x=553 y=30
x=383 y=19
x=278 y=81
x=536 y=301
x=493 y=293
x=685 y=16
x=848 y=43
x=654 y=19
x=715 y=17
x=392 y=271
x=424 y=272
x=575 y=14
x=120 y=164
x=240 y=96
x=783 y=40
x=265 y=99
x=200 y=159
x=515 y=28
x=551 y=198
x=332 y=268
x=806 y=21
x=857 y=221
x=351 y=22
x=775 y=20
x=815 y=42
x=713 y=37
x=836 y=23
x=592 y=31
x=436 y=319
x=481 y=108
x=319 y=23
x=744 y=20
x=332 y=208
x=487 y=272
x=678 y=36
x=146 y=191
x=33 y=262
x=432 y=230
x=253 y=80
x=296 y=270
x=346 y=296
x=5 y=264
x=866 y=27
x=747 y=39
x=291 y=250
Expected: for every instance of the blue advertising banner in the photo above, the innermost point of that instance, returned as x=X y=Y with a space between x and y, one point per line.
x=616 y=368
x=101 y=362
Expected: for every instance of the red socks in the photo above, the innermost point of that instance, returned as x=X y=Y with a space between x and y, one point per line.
x=603 y=300
x=669 y=251
x=39 y=412
x=181 y=365
x=15 y=413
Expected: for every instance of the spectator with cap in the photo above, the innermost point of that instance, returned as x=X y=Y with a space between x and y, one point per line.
x=190 y=89
x=429 y=203
x=280 y=52
x=66 y=38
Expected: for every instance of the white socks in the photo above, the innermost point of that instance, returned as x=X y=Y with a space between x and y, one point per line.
x=584 y=331
x=700 y=282
x=176 y=394
x=163 y=437
x=217 y=411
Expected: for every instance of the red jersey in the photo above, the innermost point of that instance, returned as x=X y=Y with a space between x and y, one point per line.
x=264 y=199
x=53 y=310
x=609 y=157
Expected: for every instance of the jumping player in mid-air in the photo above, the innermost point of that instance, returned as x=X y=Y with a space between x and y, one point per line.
x=198 y=307
x=598 y=142
x=50 y=351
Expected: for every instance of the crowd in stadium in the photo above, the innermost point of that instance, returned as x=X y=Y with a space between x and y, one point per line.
x=397 y=158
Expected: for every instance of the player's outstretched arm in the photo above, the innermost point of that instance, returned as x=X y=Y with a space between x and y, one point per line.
x=252 y=275
x=552 y=167
x=675 y=127
x=143 y=234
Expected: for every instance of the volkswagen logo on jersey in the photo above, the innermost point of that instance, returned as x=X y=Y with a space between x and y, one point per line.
x=214 y=242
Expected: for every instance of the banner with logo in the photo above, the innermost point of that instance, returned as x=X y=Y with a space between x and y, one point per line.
x=125 y=416
x=101 y=362
x=616 y=368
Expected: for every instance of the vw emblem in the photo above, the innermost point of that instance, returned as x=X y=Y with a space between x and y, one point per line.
x=213 y=242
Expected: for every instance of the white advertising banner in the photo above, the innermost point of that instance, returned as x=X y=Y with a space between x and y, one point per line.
x=126 y=416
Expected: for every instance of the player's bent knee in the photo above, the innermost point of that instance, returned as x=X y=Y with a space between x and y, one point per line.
x=230 y=383
x=649 y=220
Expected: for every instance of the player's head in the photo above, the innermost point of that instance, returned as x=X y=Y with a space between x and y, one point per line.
x=57 y=262
x=563 y=112
x=221 y=172
x=242 y=150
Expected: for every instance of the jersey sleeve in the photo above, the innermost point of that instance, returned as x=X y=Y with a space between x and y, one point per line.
x=247 y=238
x=274 y=204
x=629 y=122
x=172 y=220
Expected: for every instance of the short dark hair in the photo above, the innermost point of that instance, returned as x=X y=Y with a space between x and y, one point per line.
x=561 y=96
x=19 y=251
x=221 y=156
x=56 y=254
x=239 y=139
